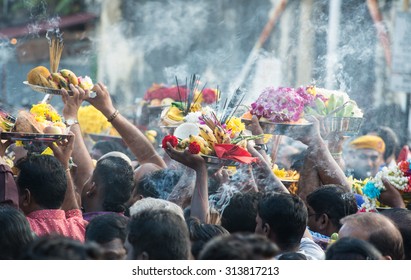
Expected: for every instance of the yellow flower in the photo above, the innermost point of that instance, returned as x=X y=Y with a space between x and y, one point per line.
x=195 y=107
x=92 y=120
x=44 y=111
x=311 y=90
x=235 y=125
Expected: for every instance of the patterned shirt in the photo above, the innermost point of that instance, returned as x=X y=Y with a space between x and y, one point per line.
x=70 y=223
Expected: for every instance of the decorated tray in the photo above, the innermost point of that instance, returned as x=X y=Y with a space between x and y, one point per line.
x=53 y=91
x=212 y=160
x=281 y=128
x=21 y=136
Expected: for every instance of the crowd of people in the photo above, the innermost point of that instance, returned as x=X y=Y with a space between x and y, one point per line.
x=168 y=204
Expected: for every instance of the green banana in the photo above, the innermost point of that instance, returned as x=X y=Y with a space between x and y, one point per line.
x=320 y=107
x=330 y=104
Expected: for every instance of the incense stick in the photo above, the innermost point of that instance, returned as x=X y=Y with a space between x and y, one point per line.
x=56 y=46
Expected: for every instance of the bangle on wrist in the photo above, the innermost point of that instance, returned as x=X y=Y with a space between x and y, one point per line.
x=113 y=116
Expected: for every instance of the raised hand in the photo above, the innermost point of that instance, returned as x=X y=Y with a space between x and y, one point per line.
x=102 y=100
x=73 y=103
x=63 y=149
x=194 y=161
x=391 y=196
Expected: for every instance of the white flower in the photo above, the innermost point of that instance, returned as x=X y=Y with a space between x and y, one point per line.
x=193 y=117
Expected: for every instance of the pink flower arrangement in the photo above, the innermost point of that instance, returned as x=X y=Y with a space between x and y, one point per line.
x=282 y=104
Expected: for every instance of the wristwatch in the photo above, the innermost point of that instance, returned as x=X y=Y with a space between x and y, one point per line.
x=70 y=122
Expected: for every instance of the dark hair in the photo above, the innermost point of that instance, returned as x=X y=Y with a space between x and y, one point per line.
x=44 y=176
x=162 y=234
x=286 y=215
x=348 y=248
x=15 y=232
x=239 y=246
x=158 y=184
x=115 y=176
x=107 y=227
x=58 y=247
x=201 y=233
x=402 y=219
x=334 y=201
x=240 y=213
x=293 y=256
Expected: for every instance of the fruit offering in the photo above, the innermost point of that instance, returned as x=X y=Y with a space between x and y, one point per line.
x=331 y=103
x=41 y=76
x=42 y=118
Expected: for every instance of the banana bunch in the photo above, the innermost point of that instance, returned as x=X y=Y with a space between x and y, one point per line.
x=221 y=135
x=207 y=134
x=63 y=79
x=7 y=121
x=337 y=105
x=205 y=149
x=41 y=76
x=151 y=135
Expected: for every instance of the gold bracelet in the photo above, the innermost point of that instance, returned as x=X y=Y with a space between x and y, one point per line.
x=113 y=116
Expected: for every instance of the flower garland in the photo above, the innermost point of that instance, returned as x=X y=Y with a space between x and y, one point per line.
x=399 y=176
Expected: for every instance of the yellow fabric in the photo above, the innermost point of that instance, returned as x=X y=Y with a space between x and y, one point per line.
x=369 y=142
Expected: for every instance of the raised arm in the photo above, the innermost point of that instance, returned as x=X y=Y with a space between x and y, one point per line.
x=320 y=158
x=80 y=154
x=8 y=187
x=62 y=151
x=132 y=136
x=199 y=201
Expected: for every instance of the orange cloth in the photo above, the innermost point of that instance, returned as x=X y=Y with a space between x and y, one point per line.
x=233 y=152
x=369 y=142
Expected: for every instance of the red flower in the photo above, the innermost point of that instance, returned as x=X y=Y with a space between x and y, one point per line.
x=209 y=96
x=404 y=166
x=169 y=139
x=194 y=148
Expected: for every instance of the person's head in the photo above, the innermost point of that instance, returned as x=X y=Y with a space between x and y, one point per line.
x=58 y=247
x=376 y=229
x=109 y=231
x=326 y=206
x=282 y=217
x=365 y=156
x=201 y=233
x=290 y=256
x=157 y=235
x=402 y=219
x=41 y=183
x=15 y=232
x=103 y=147
x=349 y=248
x=390 y=139
x=240 y=213
x=143 y=190
x=111 y=185
x=158 y=184
x=150 y=203
x=239 y=246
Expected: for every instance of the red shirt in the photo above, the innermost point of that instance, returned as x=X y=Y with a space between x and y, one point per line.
x=70 y=224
